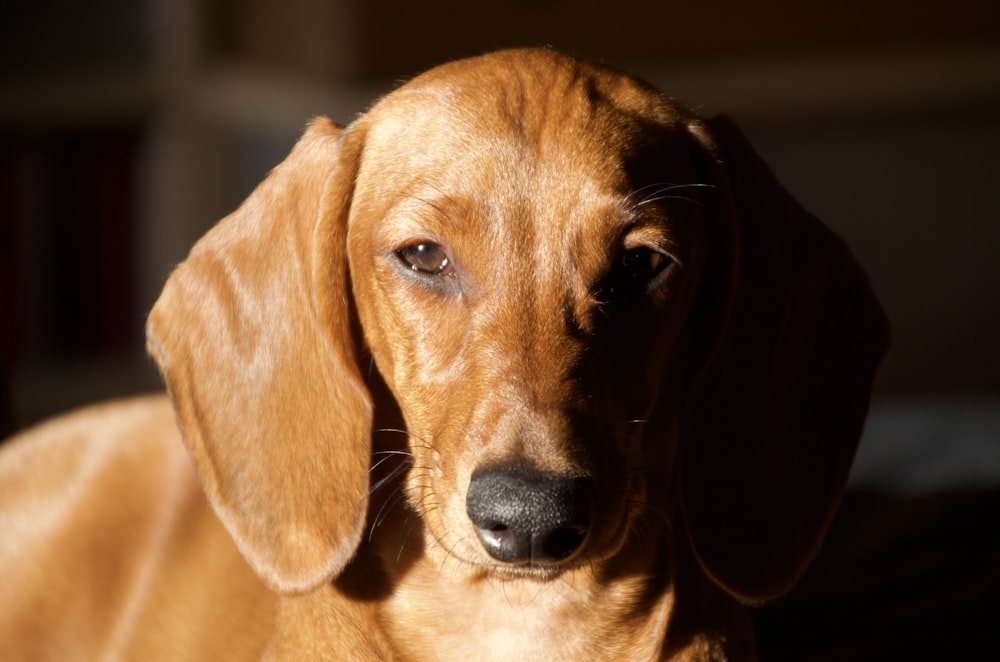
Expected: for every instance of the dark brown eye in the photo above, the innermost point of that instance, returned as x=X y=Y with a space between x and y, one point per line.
x=426 y=258
x=635 y=273
x=641 y=265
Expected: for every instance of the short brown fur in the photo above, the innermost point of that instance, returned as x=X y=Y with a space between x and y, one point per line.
x=337 y=403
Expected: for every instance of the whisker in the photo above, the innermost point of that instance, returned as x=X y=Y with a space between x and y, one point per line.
x=661 y=189
x=664 y=187
x=383 y=512
x=672 y=197
x=395 y=473
x=641 y=189
x=397 y=430
x=407 y=531
x=388 y=456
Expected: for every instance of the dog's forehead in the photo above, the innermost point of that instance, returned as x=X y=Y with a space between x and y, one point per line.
x=517 y=105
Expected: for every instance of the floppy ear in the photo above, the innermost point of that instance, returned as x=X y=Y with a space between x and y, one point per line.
x=790 y=336
x=252 y=334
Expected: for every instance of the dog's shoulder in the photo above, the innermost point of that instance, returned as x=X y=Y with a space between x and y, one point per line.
x=89 y=449
x=87 y=501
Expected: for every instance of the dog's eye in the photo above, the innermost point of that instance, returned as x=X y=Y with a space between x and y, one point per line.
x=641 y=265
x=636 y=272
x=426 y=258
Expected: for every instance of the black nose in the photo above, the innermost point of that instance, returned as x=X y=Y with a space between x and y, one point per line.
x=523 y=517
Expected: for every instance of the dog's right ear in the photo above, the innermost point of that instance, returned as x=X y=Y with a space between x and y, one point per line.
x=253 y=337
x=791 y=336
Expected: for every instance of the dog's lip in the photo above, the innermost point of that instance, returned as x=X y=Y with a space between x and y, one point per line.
x=527 y=571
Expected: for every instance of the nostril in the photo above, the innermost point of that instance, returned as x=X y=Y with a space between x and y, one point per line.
x=559 y=544
x=502 y=544
x=525 y=517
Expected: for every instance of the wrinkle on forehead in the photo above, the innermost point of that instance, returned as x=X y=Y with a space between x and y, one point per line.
x=507 y=138
x=525 y=98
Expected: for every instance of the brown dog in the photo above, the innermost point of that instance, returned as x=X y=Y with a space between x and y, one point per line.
x=528 y=362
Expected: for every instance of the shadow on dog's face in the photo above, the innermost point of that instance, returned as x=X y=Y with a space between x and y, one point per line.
x=523 y=252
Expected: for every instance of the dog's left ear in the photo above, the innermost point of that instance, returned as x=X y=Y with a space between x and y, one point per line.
x=253 y=336
x=790 y=337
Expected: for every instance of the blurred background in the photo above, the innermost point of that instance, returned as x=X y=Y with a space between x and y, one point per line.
x=128 y=127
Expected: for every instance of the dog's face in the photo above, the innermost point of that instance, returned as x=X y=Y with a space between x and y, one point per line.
x=522 y=275
x=589 y=306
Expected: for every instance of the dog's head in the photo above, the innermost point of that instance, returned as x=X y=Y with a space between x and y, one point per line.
x=586 y=303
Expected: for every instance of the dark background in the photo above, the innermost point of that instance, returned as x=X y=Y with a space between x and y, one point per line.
x=128 y=127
